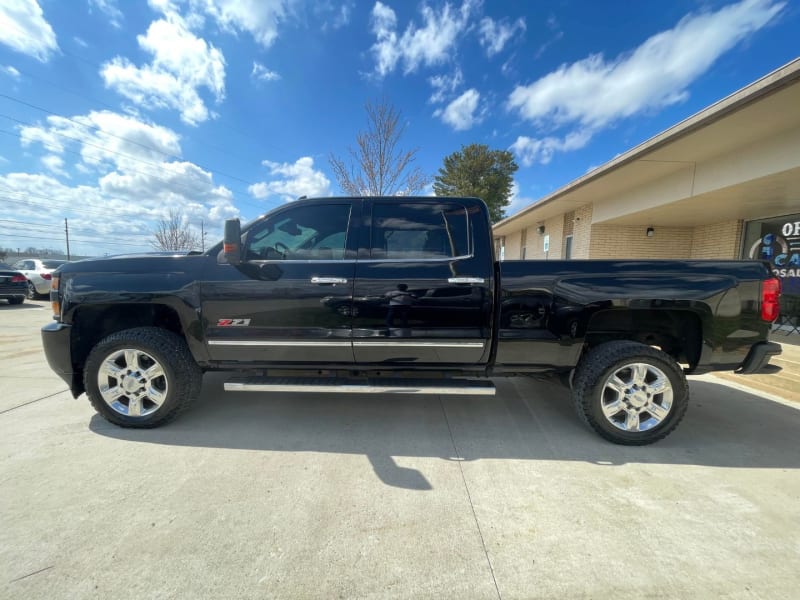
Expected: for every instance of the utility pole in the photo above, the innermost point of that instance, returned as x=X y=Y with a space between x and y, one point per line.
x=202 y=235
x=66 y=231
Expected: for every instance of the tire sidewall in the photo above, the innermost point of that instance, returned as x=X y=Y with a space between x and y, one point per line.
x=112 y=344
x=591 y=398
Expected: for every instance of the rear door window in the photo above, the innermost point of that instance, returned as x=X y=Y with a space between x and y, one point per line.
x=412 y=231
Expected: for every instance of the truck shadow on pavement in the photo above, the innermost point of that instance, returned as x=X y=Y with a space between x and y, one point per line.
x=527 y=420
x=24 y=306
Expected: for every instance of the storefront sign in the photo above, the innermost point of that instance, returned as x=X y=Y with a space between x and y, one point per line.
x=779 y=243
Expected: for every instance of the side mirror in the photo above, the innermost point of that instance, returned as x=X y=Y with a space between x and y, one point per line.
x=232 y=242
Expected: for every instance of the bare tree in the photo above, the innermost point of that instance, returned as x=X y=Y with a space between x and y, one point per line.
x=377 y=166
x=172 y=234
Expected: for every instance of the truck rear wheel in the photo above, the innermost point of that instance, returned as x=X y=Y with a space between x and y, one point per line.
x=630 y=393
x=141 y=377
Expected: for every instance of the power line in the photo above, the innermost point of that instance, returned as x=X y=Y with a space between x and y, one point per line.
x=85 y=241
x=103 y=148
x=79 y=228
x=27 y=223
x=54 y=207
x=64 y=208
x=146 y=174
x=123 y=138
x=115 y=109
x=125 y=237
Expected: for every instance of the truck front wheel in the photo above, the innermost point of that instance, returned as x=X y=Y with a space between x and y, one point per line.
x=141 y=377
x=630 y=393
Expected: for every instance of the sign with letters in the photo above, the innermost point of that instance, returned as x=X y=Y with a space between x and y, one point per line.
x=778 y=242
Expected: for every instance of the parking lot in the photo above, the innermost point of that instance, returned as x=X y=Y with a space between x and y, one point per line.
x=314 y=496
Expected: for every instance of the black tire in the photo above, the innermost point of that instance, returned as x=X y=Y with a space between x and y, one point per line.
x=596 y=394
x=169 y=390
x=16 y=300
x=31 y=295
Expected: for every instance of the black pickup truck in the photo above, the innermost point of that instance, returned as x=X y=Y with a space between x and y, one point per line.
x=402 y=295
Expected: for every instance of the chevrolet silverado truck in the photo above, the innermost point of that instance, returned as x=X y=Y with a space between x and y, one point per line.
x=402 y=295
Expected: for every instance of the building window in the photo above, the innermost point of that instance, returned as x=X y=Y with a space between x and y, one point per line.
x=568 y=247
x=777 y=241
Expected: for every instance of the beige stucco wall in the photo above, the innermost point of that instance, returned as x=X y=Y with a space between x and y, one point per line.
x=720 y=240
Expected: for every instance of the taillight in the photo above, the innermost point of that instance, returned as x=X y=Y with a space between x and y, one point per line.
x=54 y=299
x=46 y=276
x=770 y=295
x=18 y=279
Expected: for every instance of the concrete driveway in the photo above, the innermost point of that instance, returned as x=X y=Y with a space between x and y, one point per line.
x=314 y=496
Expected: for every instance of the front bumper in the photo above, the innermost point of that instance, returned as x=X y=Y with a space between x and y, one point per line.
x=58 y=351
x=758 y=357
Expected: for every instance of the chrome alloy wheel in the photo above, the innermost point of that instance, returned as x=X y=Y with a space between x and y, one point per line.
x=132 y=382
x=636 y=397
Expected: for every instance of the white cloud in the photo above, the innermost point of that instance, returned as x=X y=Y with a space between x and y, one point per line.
x=342 y=18
x=541 y=150
x=49 y=140
x=115 y=216
x=10 y=71
x=139 y=177
x=107 y=138
x=181 y=64
x=430 y=44
x=262 y=73
x=260 y=18
x=463 y=112
x=334 y=15
x=292 y=180
x=517 y=201
x=593 y=93
x=24 y=29
x=54 y=164
x=494 y=35
x=110 y=9
x=444 y=85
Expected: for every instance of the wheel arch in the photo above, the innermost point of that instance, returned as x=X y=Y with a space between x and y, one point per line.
x=90 y=324
x=678 y=333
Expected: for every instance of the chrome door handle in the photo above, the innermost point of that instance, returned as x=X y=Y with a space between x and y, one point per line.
x=466 y=280
x=328 y=280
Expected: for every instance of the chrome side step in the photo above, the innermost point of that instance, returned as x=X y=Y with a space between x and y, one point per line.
x=471 y=387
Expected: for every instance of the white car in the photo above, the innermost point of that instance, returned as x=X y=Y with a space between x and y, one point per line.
x=38 y=273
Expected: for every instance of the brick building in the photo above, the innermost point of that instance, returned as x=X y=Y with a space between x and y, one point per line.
x=722 y=184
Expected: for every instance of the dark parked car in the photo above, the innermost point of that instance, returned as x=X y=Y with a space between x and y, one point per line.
x=13 y=285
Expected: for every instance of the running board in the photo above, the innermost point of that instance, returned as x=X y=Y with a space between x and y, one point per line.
x=473 y=387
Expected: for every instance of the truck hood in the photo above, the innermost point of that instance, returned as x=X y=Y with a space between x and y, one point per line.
x=148 y=262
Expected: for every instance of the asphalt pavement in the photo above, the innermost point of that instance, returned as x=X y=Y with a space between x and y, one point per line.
x=323 y=496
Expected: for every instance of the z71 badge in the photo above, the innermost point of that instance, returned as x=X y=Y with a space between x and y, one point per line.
x=233 y=322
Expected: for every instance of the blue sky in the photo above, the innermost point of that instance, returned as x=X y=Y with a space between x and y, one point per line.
x=114 y=112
